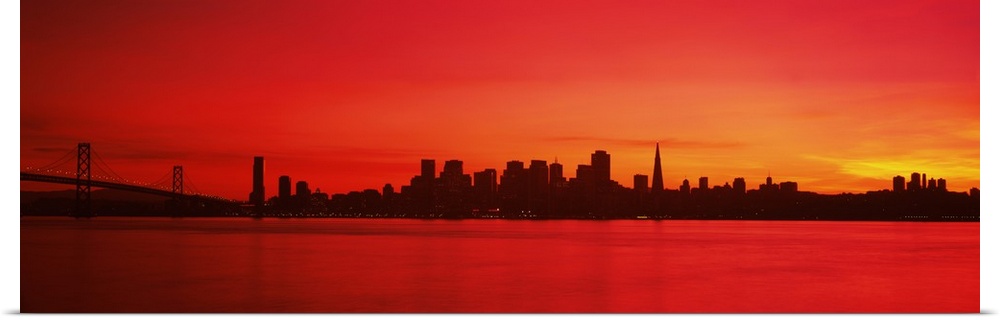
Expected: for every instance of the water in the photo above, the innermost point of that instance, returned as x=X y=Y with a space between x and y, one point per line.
x=398 y=265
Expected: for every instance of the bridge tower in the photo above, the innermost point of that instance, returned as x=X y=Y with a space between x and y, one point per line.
x=177 y=205
x=178 y=186
x=83 y=181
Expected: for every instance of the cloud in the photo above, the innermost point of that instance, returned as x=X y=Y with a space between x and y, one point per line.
x=885 y=167
x=667 y=143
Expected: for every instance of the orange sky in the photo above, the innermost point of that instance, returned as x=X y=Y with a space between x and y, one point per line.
x=837 y=95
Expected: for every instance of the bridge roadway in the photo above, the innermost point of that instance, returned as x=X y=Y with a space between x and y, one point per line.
x=27 y=176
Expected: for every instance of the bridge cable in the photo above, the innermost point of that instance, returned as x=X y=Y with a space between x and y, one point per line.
x=58 y=163
x=188 y=184
x=162 y=181
x=100 y=162
x=97 y=171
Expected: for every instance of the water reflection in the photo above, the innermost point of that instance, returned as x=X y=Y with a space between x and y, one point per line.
x=398 y=265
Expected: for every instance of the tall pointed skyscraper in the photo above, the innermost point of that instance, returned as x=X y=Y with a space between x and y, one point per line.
x=657 y=172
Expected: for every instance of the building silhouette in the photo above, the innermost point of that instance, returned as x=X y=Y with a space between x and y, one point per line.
x=302 y=189
x=769 y=185
x=257 y=193
x=485 y=189
x=452 y=169
x=640 y=183
x=657 y=186
x=427 y=169
x=703 y=184
x=914 y=184
x=740 y=186
x=898 y=184
x=538 y=188
x=600 y=160
x=513 y=188
x=388 y=199
x=453 y=189
x=789 y=187
x=539 y=171
x=584 y=190
x=422 y=187
x=284 y=188
x=556 y=174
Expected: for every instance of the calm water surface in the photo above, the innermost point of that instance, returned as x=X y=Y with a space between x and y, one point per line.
x=397 y=265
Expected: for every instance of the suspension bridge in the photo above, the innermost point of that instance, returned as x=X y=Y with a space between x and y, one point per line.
x=97 y=174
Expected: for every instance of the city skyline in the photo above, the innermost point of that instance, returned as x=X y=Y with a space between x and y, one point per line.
x=543 y=191
x=916 y=180
x=836 y=96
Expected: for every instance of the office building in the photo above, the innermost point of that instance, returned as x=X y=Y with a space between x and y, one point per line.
x=898 y=184
x=740 y=186
x=284 y=187
x=257 y=193
x=556 y=174
x=427 y=168
x=640 y=183
x=657 y=172
x=302 y=189
x=600 y=161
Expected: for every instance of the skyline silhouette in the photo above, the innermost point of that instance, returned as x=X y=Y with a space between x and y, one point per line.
x=540 y=191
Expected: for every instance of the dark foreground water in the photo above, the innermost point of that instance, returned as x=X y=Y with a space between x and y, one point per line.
x=398 y=265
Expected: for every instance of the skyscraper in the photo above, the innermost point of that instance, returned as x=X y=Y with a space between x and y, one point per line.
x=257 y=194
x=284 y=187
x=657 y=172
x=640 y=183
x=539 y=171
x=556 y=173
x=427 y=170
x=452 y=168
x=388 y=193
x=914 y=182
x=513 y=188
x=703 y=184
x=452 y=189
x=585 y=178
x=486 y=181
x=898 y=184
x=600 y=160
x=740 y=186
x=485 y=189
x=302 y=189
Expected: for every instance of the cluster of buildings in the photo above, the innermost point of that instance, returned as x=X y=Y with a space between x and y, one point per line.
x=918 y=182
x=539 y=189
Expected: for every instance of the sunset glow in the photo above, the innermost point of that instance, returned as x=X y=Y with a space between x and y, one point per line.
x=839 y=96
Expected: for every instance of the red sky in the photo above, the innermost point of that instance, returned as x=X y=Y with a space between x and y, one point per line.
x=837 y=95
